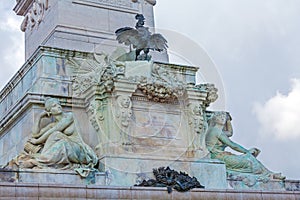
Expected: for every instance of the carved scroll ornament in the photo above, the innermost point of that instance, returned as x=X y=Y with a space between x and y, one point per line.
x=99 y=70
x=212 y=93
x=152 y=2
x=35 y=15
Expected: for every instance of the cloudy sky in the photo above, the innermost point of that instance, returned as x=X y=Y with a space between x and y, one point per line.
x=253 y=48
x=255 y=45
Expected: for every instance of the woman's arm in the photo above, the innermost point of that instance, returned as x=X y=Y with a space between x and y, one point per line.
x=225 y=140
x=36 y=131
x=66 y=121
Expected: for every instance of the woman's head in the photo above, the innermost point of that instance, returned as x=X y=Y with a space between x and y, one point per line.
x=50 y=103
x=218 y=118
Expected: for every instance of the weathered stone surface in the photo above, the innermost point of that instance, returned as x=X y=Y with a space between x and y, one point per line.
x=138 y=128
x=27 y=191
x=7 y=190
x=66 y=191
x=128 y=171
x=292 y=185
x=137 y=115
x=271 y=185
x=67 y=24
x=50 y=176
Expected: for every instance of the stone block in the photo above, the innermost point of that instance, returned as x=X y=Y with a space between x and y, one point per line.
x=233 y=194
x=49 y=65
x=7 y=190
x=7 y=176
x=181 y=195
x=53 y=176
x=150 y=193
x=66 y=40
x=278 y=196
x=211 y=173
x=27 y=191
x=128 y=171
x=252 y=195
x=139 y=68
x=49 y=87
x=271 y=185
x=208 y=194
x=100 y=178
x=115 y=22
x=100 y=192
x=62 y=191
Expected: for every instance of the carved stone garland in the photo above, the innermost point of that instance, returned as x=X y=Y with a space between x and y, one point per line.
x=163 y=86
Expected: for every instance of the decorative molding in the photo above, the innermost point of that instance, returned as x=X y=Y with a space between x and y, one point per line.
x=95 y=113
x=163 y=86
x=118 y=5
x=98 y=70
x=152 y=2
x=124 y=110
x=196 y=119
x=212 y=93
x=35 y=15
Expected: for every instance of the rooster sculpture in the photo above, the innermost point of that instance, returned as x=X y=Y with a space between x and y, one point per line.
x=141 y=39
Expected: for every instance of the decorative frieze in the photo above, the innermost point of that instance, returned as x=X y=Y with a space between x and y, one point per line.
x=119 y=5
x=35 y=15
x=97 y=70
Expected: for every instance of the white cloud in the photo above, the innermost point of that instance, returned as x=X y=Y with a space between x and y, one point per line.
x=280 y=115
x=11 y=43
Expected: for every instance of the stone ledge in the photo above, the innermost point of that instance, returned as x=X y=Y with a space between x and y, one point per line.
x=65 y=191
x=49 y=176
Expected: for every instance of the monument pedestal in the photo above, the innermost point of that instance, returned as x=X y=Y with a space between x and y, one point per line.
x=136 y=115
x=128 y=171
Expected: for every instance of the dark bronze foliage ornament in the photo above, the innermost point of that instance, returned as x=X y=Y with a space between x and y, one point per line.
x=166 y=177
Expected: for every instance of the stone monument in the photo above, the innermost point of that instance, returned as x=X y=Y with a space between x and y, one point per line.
x=97 y=103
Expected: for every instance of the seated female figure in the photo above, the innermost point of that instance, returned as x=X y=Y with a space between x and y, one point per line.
x=245 y=164
x=62 y=145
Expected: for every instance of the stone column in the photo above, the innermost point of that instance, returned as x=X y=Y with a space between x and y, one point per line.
x=81 y=25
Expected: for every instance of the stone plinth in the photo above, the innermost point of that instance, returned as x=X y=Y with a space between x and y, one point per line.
x=138 y=109
x=50 y=176
x=128 y=171
x=271 y=185
x=13 y=191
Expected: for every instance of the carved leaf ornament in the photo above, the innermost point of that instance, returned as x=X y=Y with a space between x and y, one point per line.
x=166 y=177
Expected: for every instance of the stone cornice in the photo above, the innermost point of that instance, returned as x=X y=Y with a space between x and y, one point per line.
x=22 y=6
